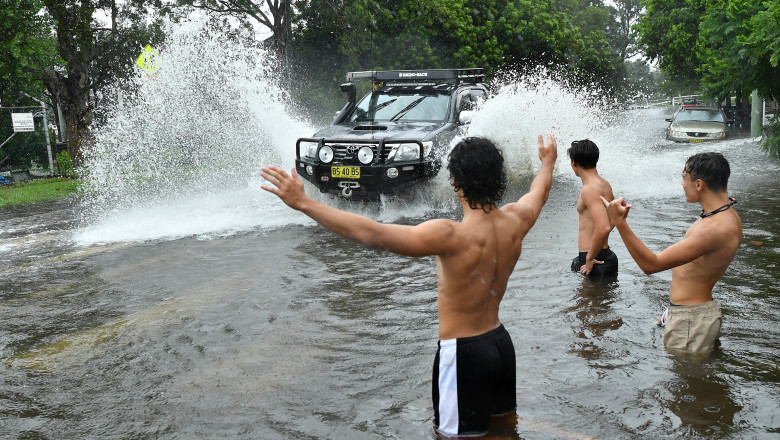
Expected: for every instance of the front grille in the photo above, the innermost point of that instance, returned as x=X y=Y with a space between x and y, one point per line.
x=696 y=134
x=347 y=153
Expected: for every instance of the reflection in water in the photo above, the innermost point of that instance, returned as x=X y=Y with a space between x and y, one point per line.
x=699 y=395
x=592 y=302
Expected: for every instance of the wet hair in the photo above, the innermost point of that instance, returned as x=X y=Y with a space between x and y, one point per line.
x=477 y=167
x=712 y=168
x=584 y=153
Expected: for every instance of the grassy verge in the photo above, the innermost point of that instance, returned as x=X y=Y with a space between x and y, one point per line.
x=38 y=190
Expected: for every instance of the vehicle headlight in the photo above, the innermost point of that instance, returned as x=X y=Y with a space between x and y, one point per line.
x=404 y=152
x=427 y=147
x=365 y=155
x=326 y=154
x=308 y=149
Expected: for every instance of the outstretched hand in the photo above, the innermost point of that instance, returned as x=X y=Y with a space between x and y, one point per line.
x=549 y=151
x=617 y=210
x=289 y=188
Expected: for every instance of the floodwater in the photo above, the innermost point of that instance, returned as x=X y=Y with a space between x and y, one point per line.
x=217 y=312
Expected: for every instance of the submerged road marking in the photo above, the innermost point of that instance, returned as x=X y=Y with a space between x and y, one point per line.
x=78 y=347
x=540 y=426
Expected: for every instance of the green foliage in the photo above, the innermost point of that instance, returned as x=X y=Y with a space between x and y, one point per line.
x=23 y=149
x=64 y=165
x=26 y=46
x=771 y=138
x=729 y=64
x=642 y=80
x=669 y=34
x=331 y=38
x=728 y=46
x=624 y=15
x=94 y=55
x=733 y=46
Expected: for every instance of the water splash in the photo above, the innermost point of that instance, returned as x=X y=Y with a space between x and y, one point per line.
x=527 y=106
x=180 y=155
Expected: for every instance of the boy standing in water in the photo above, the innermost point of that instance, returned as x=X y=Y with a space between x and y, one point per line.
x=693 y=320
x=474 y=369
x=595 y=257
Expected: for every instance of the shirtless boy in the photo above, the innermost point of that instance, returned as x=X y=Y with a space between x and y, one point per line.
x=693 y=320
x=474 y=369
x=595 y=259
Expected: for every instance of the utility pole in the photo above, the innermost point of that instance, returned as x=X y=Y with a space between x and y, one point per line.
x=756 y=114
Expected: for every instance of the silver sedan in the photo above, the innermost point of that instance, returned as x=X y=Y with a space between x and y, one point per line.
x=697 y=124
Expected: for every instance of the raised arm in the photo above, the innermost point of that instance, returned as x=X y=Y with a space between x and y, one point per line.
x=434 y=237
x=530 y=205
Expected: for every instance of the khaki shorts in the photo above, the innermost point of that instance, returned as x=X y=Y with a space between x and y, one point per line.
x=693 y=328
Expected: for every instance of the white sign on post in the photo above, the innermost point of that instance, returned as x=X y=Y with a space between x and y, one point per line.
x=23 y=122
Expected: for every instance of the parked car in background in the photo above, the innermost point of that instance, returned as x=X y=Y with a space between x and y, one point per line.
x=393 y=138
x=697 y=124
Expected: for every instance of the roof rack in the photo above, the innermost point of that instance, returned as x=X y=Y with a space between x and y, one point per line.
x=429 y=76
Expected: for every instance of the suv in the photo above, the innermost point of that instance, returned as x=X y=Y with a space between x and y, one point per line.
x=395 y=136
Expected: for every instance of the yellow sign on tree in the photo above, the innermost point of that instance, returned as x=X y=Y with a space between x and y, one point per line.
x=149 y=60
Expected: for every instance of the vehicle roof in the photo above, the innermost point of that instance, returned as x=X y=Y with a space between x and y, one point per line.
x=701 y=107
x=419 y=77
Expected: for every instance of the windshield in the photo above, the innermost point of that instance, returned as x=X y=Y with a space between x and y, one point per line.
x=699 y=115
x=397 y=106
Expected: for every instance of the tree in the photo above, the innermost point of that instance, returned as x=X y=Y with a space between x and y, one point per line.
x=26 y=45
x=669 y=33
x=625 y=14
x=93 y=55
x=271 y=14
x=741 y=48
x=731 y=46
x=749 y=59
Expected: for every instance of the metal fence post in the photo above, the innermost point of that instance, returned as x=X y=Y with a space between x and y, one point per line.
x=46 y=131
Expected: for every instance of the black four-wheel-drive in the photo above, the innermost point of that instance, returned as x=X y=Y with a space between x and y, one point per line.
x=393 y=138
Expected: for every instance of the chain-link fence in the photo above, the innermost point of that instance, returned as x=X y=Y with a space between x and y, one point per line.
x=25 y=154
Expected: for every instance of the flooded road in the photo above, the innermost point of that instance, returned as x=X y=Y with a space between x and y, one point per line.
x=174 y=299
x=265 y=325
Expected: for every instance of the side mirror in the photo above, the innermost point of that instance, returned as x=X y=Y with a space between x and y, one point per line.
x=466 y=116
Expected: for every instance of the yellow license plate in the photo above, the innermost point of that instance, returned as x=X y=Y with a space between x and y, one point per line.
x=345 y=172
x=695 y=141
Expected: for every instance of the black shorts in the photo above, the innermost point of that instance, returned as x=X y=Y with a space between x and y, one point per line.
x=473 y=378
x=609 y=268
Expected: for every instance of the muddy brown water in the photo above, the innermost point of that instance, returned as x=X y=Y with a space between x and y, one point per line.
x=281 y=330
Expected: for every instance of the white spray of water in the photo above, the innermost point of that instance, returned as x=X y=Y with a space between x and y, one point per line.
x=181 y=155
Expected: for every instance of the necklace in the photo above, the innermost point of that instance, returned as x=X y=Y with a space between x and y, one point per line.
x=732 y=201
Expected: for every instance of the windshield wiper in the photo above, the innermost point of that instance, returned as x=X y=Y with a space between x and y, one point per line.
x=406 y=109
x=372 y=110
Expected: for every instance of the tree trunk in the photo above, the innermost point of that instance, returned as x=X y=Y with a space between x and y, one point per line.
x=72 y=94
